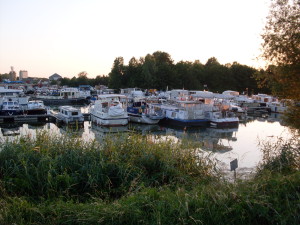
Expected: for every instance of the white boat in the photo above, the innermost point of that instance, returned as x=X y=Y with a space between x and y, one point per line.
x=109 y=110
x=70 y=115
x=278 y=107
x=7 y=92
x=220 y=119
x=65 y=96
x=132 y=92
x=139 y=111
x=35 y=107
x=10 y=107
x=185 y=113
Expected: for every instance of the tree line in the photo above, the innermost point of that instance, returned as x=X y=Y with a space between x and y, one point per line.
x=159 y=71
x=82 y=79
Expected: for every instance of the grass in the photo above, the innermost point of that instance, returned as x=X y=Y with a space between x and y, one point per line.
x=135 y=180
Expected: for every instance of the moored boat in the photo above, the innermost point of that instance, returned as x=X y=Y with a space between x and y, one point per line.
x=109 y=110
x=223 y=119
x=35 y=107
x=139 y=111
x=185 y=113
x=10 y=107
x=70 y=116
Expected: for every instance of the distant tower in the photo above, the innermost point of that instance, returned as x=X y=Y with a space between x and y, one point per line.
x=12 y=74
x=23 y=74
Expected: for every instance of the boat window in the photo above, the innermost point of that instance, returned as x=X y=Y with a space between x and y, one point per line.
x=10 y=103
x=66 y=113
x=74 y=113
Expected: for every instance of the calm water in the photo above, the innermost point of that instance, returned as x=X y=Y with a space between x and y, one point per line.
x=224 y=144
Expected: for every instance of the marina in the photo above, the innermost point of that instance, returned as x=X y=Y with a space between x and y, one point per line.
x=220 y=124
x=225 y=144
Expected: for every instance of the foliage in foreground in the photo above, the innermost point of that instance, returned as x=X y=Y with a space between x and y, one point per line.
x=269 y=200
x=52 y=166
x=271 y=197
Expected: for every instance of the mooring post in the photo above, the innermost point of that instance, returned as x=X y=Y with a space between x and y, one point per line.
x=233 y=166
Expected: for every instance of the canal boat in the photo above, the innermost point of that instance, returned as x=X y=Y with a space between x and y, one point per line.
x=70 y=115
x=139 y=111
x=222 y=119
x=35 y=107
x=109 y=110
x=10 y=107
x=185 y=113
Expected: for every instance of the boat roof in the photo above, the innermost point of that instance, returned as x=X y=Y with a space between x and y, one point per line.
x=111 y=96
x=69 y=108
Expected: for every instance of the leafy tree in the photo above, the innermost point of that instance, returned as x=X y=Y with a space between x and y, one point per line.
x=242 y=78
x=4 y=76
x=73 y=82
x=82 y=78
x=133 y=74
x=103 y=80
x=281 y=49
x=187 y=75
x=83 y=74
x=165 y=74
x=149 y=71
x=65 y=81
x=116 y=74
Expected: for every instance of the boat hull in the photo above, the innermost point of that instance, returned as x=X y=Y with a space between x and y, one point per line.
x=35 y=112
x=186 y=123
x=109 y=121
x=11 y=112
x=225 y=123
x=138 y=118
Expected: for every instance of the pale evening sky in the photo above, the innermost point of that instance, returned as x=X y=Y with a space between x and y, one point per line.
x=70 y=36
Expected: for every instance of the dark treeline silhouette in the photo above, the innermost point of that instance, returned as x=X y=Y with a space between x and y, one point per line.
x=159 y=71
x=82 y=79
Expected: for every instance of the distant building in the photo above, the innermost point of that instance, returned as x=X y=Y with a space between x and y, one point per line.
x=12 y=74
x=55 y=77
x=23 y=74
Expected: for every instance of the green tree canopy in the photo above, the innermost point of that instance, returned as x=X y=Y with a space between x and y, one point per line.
x=116 y=74
x=281 y=49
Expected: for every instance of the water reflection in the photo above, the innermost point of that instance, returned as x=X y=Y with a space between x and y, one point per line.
x=10 y=129
x=225 y=144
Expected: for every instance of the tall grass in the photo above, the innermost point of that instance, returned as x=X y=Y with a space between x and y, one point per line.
x=282 y=156
x=51 y=166
x=264 y=201
x=133 y=180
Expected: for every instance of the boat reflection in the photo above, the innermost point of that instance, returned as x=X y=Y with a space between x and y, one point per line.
x=211 y=139
x=144 y=128
x=101 y=132
x=11 y=129
x=74 y=131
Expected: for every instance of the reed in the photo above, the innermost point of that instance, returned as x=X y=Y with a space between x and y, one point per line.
x=136 y=180
x=50 y=166
x=266 y=201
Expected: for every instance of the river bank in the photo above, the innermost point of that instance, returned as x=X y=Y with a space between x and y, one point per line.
x=52 y=179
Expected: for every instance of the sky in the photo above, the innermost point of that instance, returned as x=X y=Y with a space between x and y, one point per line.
x=70 y=36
